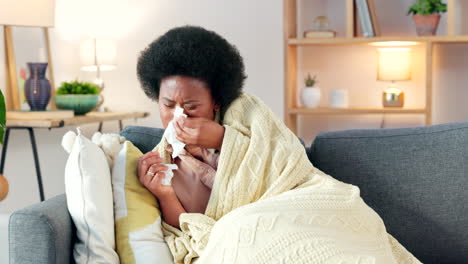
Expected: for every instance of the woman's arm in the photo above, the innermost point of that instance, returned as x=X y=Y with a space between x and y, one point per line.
x=171 y=209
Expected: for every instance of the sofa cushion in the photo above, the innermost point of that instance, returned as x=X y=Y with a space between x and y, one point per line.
x=144 y=138
x=416 y=179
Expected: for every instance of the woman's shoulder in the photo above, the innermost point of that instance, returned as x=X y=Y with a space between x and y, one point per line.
x=247 y=101
x=247 y=108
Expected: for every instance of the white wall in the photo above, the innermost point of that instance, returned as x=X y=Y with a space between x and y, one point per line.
x=255 y=27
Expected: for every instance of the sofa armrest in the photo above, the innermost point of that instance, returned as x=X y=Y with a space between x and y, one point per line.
x=42 y=233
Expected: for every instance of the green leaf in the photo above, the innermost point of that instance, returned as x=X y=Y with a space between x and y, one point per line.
x=427 y=7
x=2 y=134
x=76 y=87
x=2 y=116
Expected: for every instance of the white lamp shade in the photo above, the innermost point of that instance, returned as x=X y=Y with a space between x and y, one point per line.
x=98 y=52
x=394 y=64
x=33 y=13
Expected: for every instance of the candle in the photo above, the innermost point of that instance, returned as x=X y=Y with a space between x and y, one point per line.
x=338 y=98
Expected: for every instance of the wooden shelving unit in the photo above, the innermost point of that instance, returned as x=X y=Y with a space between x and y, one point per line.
x=370 y=41
x=293 y=41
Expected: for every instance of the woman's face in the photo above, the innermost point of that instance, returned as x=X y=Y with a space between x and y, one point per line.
x=191 y=94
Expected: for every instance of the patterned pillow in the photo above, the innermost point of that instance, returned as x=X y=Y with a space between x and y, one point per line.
x=139 y=237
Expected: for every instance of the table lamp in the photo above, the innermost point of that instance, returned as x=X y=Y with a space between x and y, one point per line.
x=98 y=55
x=38 y=13
x=394 y=64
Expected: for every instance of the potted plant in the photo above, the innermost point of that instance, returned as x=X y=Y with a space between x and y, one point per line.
x=426 y=15
x=81 y=97
x=311 y=94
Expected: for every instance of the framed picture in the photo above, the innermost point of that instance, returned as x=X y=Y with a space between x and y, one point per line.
x=25 y=47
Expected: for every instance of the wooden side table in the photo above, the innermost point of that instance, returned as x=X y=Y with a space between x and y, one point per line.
x=30 y=125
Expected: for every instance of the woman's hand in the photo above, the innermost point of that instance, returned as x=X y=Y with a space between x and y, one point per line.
x=150 y=174
x=199 y=131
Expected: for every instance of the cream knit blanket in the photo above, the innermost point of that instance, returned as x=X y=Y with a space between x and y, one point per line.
x=269 y=204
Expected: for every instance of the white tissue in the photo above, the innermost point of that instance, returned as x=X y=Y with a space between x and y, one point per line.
x=177 y=146
x=169 y=174
x=170 y=135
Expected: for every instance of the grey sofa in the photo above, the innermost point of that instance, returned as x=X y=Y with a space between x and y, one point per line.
x=415 y=178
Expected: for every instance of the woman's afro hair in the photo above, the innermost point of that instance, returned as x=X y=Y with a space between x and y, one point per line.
x=194 y=52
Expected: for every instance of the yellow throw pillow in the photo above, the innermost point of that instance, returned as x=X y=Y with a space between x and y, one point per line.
x=139 y=237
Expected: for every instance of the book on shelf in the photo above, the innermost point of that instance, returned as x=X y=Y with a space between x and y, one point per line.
x=367 y=18
x=32 y=115
x=373 y=14
x=319 y=34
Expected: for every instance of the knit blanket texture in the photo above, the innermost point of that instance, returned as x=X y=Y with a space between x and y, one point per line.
x=269 y=204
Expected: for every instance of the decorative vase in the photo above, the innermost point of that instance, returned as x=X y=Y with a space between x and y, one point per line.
x=79 y=103
x=311 y=97
x=37 y=87
x=426 y=25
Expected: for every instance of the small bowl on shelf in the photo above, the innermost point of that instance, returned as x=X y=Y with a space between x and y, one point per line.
x=79 y=103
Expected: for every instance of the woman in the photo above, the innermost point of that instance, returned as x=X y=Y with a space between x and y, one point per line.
x=202 y=73
x=256 y=198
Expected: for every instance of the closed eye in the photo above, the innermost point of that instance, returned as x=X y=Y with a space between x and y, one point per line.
x=168 y=102
x=191 y=107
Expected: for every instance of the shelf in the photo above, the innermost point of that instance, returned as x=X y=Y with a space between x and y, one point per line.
x=92 y=117
x=354 y=111
x=367 y=41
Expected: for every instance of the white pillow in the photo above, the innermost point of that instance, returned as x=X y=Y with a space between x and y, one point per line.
x=89 y=199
